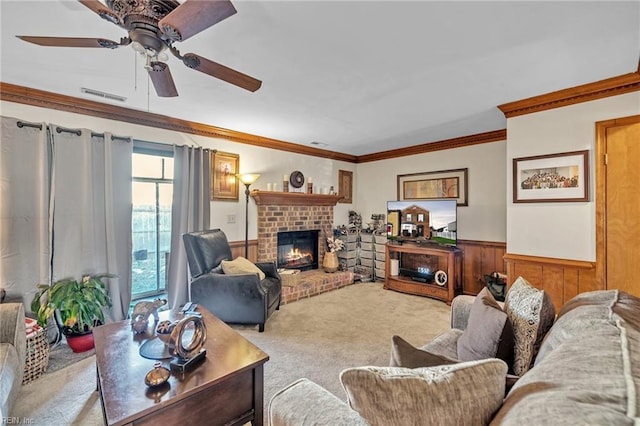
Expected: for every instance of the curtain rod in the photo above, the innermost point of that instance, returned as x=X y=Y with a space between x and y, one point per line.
x=78 y=132
x=22 y=124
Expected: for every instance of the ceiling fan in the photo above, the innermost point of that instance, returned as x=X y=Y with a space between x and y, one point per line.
x=153 y=27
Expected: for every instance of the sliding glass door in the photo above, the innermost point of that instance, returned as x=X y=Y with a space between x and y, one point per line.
x=151 y=223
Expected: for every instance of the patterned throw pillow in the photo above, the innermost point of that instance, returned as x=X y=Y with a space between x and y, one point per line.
x=467 y=393
x=531 y=314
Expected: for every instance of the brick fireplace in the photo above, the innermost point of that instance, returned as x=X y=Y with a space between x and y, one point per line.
x=294 y=211
x=291 y=211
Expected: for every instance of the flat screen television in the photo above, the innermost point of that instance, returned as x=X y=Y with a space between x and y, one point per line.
x=434 y=220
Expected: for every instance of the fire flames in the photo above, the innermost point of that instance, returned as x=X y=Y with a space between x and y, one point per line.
x=297 y=257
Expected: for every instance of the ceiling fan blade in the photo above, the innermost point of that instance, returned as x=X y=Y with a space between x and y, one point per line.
x=75 y=41
x=103 y=11
x=94 y=5
x=217 y=70
x=162 y=79
x=193 y=16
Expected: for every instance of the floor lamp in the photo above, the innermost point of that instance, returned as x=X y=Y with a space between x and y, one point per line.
x=247 y=179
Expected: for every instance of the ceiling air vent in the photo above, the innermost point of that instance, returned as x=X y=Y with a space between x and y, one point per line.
x=319 y=144
x=104 y=95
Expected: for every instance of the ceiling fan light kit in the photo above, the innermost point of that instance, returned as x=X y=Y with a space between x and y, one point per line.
x=153 y=26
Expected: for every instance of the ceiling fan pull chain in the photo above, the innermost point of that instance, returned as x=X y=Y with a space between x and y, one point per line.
x=135 y=71
x=148 y=79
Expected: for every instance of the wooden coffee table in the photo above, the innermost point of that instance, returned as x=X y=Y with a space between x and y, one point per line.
x=226 y=388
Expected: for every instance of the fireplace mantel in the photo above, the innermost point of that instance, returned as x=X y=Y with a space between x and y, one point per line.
x=271 y=198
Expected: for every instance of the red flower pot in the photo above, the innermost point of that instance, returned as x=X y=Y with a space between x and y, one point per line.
x=80 y=342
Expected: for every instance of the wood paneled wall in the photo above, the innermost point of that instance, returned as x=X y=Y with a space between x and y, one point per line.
x=562 y=279
x=237 y=249
x=480 y=258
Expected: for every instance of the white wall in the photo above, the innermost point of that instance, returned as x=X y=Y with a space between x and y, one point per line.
x=558 y=230
x=271 y=164
x=483 y=219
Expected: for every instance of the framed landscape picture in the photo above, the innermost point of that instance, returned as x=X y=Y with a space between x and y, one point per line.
x=345 y=186
x=433 y=185
x=224 y=184
x=548 y=178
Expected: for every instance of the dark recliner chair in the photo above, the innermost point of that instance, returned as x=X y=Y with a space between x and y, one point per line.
x=239 y=299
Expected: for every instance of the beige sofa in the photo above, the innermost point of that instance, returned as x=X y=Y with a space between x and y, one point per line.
x=587 y=371
x=12 y=355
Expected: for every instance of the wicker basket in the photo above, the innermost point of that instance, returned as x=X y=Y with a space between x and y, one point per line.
x=290 y=279
x=37 y=356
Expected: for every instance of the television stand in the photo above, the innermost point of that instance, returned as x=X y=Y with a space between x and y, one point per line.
x=431 y=270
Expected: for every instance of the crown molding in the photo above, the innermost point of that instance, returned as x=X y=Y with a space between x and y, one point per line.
x=492 y=136
x=584 y=93
x=50 y=100
x=41 y=98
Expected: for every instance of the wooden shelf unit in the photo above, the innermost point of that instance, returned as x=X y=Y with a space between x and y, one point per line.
x=447 y=259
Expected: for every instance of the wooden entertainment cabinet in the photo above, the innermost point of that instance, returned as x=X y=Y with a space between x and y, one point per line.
x=413 y=255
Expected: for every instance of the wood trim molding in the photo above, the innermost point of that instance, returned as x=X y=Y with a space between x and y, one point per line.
x=587 y=92
x=561 y=279
x=493 y=136
x=577 y=264
x=270 y=198
x=482 y=243
x=50 y=100
x=601 y=193
x=43 y=99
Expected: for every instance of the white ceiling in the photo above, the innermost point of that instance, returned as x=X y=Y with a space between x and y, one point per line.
x=360 y=76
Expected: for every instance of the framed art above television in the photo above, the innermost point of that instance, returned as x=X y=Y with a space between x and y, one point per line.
x=434 y=185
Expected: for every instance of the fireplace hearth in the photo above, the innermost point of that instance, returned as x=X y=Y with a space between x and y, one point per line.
x=298 y=250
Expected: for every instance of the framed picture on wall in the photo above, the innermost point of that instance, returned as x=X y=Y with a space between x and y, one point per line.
x=433 y=185
x=548 y=178
x=224 y=184
x=345 y=186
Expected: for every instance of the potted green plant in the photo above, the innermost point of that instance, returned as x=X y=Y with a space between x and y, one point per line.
x=80 y=305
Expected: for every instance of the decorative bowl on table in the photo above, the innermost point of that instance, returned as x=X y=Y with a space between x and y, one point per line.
x=164 y=329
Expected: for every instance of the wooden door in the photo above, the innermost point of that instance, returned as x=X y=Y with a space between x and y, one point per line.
x=622 y=206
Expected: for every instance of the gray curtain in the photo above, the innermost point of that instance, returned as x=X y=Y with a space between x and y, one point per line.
x=190 y=212
x=25 y=237
x=91 y=187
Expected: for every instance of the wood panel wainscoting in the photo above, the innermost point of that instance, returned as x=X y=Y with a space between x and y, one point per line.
x=562 y=279
x=480 y=258
x=237 y=249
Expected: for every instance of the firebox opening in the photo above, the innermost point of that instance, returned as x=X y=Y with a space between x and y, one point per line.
x=298 y=250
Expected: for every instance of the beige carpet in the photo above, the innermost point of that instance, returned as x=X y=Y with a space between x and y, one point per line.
x=64 y=397
x=314 y=338
x=318 y=337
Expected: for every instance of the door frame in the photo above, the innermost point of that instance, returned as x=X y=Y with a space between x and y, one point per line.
x=601 y=195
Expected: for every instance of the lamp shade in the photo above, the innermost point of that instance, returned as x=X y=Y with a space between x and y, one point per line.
x=248 y=178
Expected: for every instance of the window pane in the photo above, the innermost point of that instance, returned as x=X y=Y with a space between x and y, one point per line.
x=151 y=225
x=148 y=166
x=165 y=195
x=144 y=276
x=168 y=168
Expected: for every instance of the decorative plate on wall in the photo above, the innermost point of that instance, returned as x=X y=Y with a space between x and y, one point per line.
x=296 y=179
